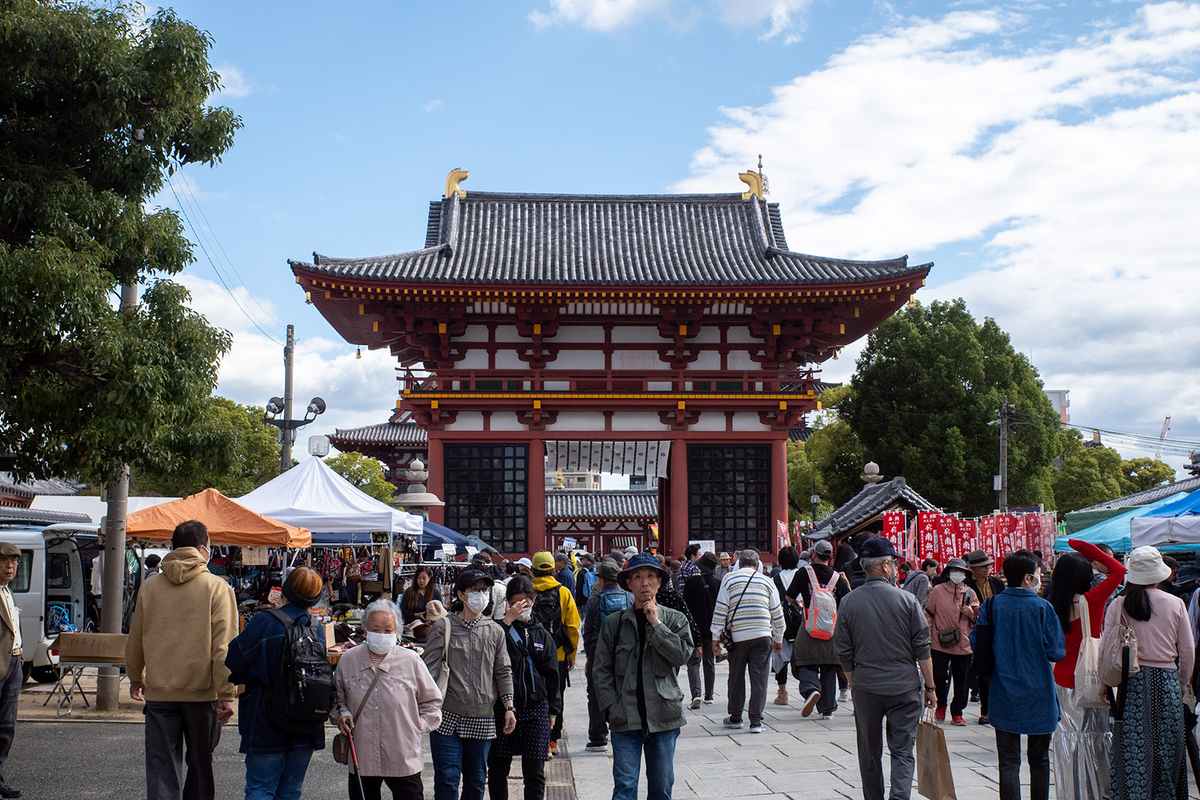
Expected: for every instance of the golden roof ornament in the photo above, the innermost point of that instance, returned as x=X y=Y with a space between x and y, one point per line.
x=453 y=179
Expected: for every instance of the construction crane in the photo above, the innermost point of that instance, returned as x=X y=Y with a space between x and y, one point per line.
x=1162 y=438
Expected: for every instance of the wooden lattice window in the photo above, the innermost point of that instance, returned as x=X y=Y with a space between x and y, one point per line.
x=487 y=493
x=729 y=495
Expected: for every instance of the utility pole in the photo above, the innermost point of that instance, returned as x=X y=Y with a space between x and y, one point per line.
x=287 y=433
x=1002 y=479
x=112 y=591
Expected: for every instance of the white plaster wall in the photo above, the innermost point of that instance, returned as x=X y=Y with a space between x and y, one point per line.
x=474 y=333
x=467 y=421
x=706 y=361
x=636 y=359
x=579 y=421
x=506 y=421
x=637 y=334
x=741 y=336
x=740 y=360
x=710 y=334
x=748 y=422
x=578 y=359
x=474 y=359
x=582 y=334
x=710 y=421
x=636 y=421
x=507 y=359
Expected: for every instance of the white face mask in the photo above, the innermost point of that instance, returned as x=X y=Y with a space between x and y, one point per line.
x=958 y=577
x=525 y=615
x=478 y=601
x=380 y=643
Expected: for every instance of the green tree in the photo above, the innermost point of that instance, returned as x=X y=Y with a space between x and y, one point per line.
x=96 y=107
x=364 y=472
x=1139 y=474
x=1088 y=475
x=835 y=450
x=227 y=447
x=926 y=390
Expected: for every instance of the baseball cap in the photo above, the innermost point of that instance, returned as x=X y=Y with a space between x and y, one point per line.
x=469 y=577
x=823 y=548
x=543 y=562
x=877 y=547
x=524 y=562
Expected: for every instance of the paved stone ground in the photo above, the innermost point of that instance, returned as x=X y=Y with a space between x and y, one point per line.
x=794 y=759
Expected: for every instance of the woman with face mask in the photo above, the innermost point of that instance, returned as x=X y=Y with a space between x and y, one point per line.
x=536 y=699
x=951 y=609
x=404 y=703
x=479 y=678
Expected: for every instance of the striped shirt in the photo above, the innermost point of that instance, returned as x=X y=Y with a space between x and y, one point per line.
x=753 y=615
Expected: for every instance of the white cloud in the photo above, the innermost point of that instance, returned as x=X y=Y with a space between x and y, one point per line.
x=607 y=15
x=356 y=391
x=433 y=105
x=233 y=81
x=1057 y=179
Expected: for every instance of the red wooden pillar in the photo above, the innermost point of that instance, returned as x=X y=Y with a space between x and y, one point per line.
x=677 y=529
x=535 y=495
x=779 y=490
x=436 y=484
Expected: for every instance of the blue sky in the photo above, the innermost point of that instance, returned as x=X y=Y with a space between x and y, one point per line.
x=1043 y=155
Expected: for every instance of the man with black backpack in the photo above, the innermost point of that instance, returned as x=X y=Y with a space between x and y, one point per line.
x=281 y=660
x=607 y=598
x=555 y=608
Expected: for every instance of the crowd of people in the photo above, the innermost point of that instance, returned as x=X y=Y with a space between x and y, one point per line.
x=847 y=623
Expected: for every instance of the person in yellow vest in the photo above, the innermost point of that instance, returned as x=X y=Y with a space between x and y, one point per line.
x=10 y=658
x=555 y=608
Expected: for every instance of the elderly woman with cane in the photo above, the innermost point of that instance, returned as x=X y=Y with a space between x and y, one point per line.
x=385 y=700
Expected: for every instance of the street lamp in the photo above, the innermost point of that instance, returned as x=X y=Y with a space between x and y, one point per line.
x=287 y=426
x=814 y=498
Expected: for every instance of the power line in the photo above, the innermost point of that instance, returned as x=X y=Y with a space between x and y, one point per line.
x=211 y=232
x=220 y=277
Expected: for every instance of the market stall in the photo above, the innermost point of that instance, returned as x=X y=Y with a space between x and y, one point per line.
x=228 y=523
x=1115 y=532
x=1175 y=524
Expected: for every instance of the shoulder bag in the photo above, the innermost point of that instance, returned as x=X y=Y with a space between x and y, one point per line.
x=726 y=638
x=443 y=676
x=341 y=742
x=952 y=636
x=1089 y=689
x=1118 y=648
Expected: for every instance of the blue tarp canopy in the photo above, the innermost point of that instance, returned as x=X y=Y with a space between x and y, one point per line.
x=1115 y=532
x=435 y=534
x=1188 y=504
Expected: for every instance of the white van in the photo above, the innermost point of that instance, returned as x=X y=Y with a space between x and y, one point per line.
x=49 y=590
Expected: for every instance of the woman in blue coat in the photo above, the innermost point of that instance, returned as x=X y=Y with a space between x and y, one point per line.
x=1027 y=640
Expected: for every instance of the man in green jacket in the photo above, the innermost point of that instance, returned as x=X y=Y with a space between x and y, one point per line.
x=636 y=681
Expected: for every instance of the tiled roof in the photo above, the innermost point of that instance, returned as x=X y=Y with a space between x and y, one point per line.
x=39 y=516
x=1148 y=496
x=653 y=240
x=601 y=503
x=385 y=433
x=49 y=486
x=868 y=504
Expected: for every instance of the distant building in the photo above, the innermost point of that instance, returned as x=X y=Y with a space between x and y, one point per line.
x=1061 y=400
x=572 y=479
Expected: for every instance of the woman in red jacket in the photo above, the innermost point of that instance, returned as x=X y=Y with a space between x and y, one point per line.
x=1083 y=739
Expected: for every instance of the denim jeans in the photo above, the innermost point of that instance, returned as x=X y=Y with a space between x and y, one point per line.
x=821 y=679
x=455 y=758
x=276 y=776
x=627 y=749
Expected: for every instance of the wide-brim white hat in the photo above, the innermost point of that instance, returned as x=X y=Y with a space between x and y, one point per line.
x=1145 y=567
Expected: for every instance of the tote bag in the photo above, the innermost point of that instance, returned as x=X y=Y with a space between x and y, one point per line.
x=1116 y=641
x=1089 y=689
x=934 y=778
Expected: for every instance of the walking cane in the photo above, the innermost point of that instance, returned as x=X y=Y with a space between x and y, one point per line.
x=362 y=792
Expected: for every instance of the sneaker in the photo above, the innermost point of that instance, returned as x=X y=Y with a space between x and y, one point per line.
x=756 y=727
x=974 y=697
x=708 y=701
x=983 y=720
x=553 y=749
x=827 y=716
x=940 y=714
x=730 y=722
x=695 y=702
x=844 y=696
x=781 y=698
x=957 y=719
x=597 y=747
x=810 y=701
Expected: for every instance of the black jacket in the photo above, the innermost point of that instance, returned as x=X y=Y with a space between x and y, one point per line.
x=700 y=595
x=669 y=598
x=534 y=665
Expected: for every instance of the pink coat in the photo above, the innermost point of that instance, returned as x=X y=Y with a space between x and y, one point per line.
x=405 y=704
x=949 y=606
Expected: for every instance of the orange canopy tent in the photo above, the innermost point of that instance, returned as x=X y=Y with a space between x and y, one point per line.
x=228 y=523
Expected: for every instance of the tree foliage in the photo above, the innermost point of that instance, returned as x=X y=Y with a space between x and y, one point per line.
x=925 y=391
x=227 y=447
x=835 y=450
x=96 y=107
x=1088 y=475
x=364 y=472
x=1140 y=474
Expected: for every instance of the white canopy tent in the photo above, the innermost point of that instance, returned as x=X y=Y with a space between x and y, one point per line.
x=1176 y=523
x=313 y=496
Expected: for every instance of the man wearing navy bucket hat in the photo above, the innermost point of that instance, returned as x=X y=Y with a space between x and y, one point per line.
x=637 y=659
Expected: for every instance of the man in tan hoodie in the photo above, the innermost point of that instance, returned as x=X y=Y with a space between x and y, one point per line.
x=175 y=658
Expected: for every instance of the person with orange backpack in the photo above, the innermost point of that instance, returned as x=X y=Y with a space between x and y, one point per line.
x=817 y=590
